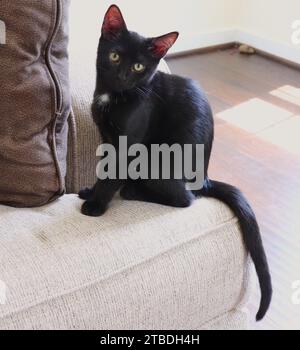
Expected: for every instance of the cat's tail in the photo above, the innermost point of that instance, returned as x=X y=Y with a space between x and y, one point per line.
x=251 y=235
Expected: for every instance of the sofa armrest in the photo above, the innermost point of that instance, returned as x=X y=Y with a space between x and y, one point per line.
x=84 y=138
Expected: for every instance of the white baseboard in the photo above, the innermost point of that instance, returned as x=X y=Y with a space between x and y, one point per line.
x=282 y=50
x=279 y=49
x=203 y=40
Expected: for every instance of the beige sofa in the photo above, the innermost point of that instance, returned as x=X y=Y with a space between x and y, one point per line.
x=141 y=266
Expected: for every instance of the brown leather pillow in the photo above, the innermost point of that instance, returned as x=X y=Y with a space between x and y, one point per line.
x=34 y=101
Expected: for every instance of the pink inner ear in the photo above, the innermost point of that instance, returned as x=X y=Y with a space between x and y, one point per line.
x=162 y=44
x=113 y=21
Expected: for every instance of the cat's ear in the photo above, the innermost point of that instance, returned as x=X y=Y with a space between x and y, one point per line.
x=113 y=22
x=161 y=45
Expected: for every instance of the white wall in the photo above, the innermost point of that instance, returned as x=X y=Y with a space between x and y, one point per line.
x=196 y=20
x=269 y=19
x=265 y=24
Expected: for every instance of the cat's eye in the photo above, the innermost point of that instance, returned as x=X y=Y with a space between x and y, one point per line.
x=138 y=67
x=114 y=57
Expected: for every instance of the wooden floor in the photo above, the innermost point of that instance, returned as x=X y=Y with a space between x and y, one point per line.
x=256 y=103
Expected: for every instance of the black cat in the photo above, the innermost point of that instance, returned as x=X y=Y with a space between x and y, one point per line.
x=133 y=99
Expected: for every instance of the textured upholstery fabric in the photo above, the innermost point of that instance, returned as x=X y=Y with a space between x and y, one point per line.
x=125 y=270
x=232 y=320
x=34 y=101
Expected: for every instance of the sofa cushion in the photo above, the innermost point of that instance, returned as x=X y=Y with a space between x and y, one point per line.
x=34 y=101
x=141 y=266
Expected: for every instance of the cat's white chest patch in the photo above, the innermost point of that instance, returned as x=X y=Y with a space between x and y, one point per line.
x=103 y=99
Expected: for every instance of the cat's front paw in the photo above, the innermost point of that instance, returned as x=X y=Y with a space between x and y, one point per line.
x=91 y=208
x=86 y=193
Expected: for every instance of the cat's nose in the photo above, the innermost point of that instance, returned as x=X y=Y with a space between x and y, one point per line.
x=123 y=76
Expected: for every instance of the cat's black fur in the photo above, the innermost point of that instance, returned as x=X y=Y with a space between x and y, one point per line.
x=156 y=108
